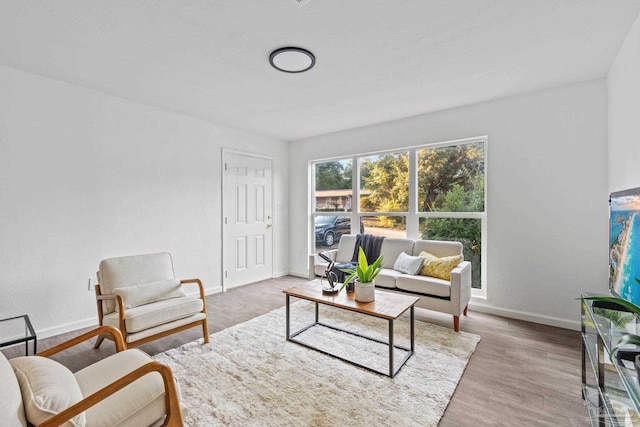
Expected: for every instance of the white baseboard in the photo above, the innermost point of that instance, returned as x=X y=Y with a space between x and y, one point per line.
x=213 y=290
x=93 y=321
x=523 y=315
x=304 y=275
x=280 y=274
x=68 y=327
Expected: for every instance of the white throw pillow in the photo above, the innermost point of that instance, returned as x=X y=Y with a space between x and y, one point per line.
x=408 y=264
x=133 y=296
x=48 y=388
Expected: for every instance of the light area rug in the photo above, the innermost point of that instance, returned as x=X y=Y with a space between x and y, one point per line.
x=249 y=375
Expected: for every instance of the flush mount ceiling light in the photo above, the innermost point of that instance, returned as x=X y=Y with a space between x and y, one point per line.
x=292 y=59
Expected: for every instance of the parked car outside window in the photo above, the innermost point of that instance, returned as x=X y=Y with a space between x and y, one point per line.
x=329 y=229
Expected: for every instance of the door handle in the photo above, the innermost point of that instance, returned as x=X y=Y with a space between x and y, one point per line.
x=269 y=225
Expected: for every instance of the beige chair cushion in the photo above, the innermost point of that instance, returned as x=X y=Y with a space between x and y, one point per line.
x=48 y=388
x=138 y=404
x=134 y=296
x=131 y=271
x=11 y=407
x=155 y=314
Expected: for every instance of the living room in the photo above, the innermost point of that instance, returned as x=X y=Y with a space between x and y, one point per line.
x=89 y=173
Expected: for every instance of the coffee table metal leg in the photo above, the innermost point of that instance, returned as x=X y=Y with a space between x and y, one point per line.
x=390 y=343
x=413 y=335
x=391 y=347
x=288 y=317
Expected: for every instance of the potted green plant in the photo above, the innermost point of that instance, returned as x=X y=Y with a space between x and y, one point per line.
x=365 y=273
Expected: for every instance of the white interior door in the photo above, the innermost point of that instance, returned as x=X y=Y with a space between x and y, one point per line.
x=247 y=220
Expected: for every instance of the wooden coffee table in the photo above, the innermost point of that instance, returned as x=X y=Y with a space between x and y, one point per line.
x=386 y=306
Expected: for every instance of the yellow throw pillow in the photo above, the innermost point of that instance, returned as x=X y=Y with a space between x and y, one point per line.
x=439 y=267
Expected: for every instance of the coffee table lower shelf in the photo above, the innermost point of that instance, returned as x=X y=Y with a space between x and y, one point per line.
x=391 y=372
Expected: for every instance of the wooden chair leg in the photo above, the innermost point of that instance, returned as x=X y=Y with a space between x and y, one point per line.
x=99 y=341
x=456 y=323
x=465 y=310
x=205 y=331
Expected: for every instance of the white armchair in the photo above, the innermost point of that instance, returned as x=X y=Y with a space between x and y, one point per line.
x=140 y=296
x=125 y=389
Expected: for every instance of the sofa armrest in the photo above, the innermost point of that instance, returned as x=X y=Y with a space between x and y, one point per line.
x=314 y=259
x=330 y=253
x=460 y=287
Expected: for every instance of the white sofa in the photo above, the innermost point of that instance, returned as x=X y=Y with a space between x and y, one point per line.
x=446 y=296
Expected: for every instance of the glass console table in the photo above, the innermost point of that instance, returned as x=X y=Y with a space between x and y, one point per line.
x=16 y=330
x=609 y=387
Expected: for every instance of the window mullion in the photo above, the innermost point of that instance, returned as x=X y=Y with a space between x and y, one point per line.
x=355 y=187
x=413 y=223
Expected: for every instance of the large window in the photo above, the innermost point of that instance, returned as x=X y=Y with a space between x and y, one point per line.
x=451 y=198
x=384 y=190
x=434 y=192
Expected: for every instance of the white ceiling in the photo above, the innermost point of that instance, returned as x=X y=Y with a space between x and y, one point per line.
x=376 y=60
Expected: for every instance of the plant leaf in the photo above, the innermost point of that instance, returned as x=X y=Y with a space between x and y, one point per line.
x=377 y=262
x=624 y=340
x=347 y=280
x=362 y=259
x=623 y=302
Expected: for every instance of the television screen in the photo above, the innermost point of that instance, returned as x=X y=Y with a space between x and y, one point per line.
x=624 y=244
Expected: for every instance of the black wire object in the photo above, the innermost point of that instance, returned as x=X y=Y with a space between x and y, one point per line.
x=332 y=277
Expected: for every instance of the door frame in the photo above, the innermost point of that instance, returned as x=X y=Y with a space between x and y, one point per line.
x=225 y=152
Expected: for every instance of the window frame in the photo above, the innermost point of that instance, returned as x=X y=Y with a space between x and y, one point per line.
x=412 y=216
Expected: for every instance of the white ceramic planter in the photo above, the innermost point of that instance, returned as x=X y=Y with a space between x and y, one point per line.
x=365 y=292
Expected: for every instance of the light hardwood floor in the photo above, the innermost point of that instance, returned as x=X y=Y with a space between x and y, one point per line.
x=521 y=374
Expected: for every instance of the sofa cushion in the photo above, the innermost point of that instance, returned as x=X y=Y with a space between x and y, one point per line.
x=48 y=388
x=346 y=248
x=424 y=285
x=439 y=267
x=134 y=296
x=439 y=248
x=387 y=278
x=408 y=264
x=391 y=248
x=11 y=406
x=157 y=313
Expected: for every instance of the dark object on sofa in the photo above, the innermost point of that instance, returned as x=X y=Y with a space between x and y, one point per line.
x=370 y=245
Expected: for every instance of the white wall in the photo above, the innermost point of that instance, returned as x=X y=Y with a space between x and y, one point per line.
x=624 y=114
x=86 y=176
x=547 y=193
